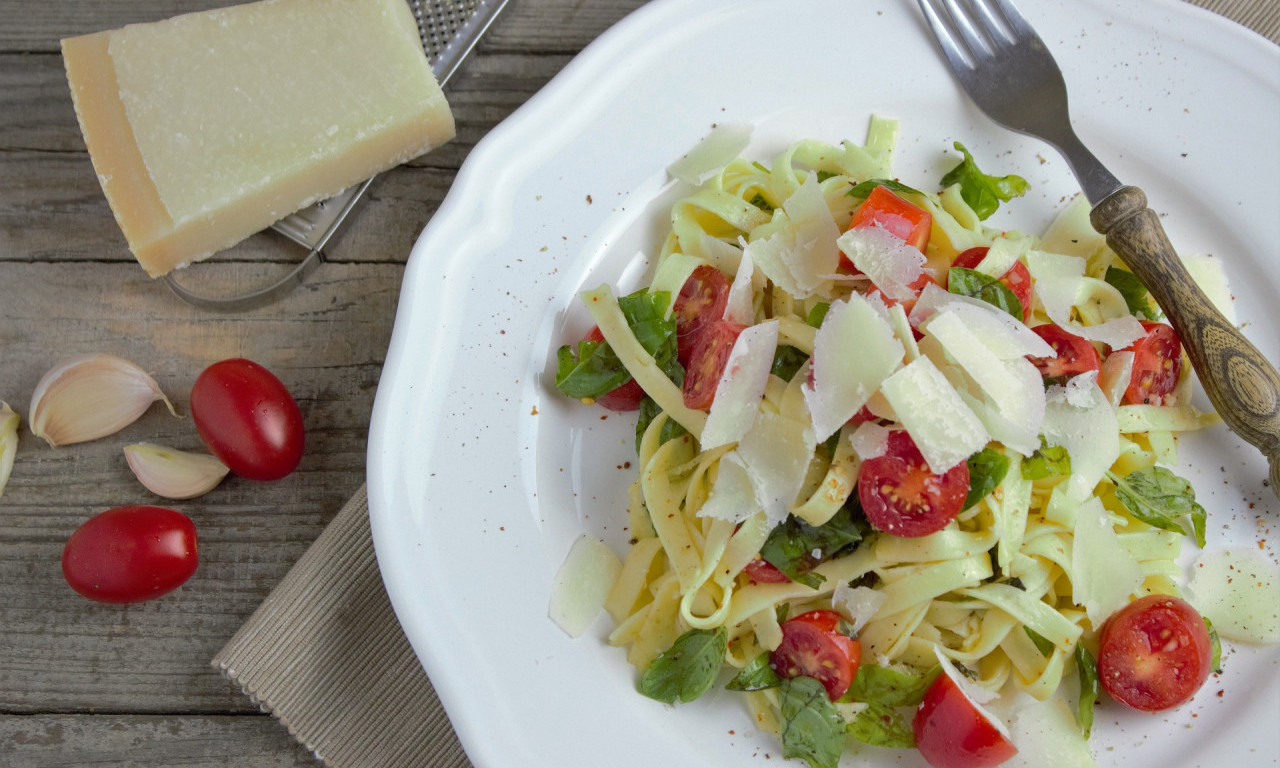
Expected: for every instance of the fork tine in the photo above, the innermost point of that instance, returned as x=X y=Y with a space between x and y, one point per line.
x=954 y=50
x=978 y=45
x=1022 y=31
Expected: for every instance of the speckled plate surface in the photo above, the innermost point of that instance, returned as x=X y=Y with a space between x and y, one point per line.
x=480 y=475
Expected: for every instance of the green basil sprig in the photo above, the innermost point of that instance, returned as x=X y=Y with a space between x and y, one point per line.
x=982 y=192
x=1162 y=499
x=688 y=668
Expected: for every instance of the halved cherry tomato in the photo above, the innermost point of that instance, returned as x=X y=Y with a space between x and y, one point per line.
x=808 y=650
x=761 y=571
x=248 y=419
x=1075 y=354
x=1154 y=653
x=827 y=621
x=916 y=287
x=1157 y=364
x=707 y=361
x=951 y=732
x=885 y=209
x=702 y=300
x=1017 y=279
x=902 y=496
x=627 y=396
x=130 y=554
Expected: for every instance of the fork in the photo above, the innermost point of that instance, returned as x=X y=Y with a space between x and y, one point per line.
x=1011 y=76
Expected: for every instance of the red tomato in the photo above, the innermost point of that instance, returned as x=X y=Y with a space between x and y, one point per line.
x=707 y=361
x=1157 y=364
x=916 y=286
x=808 y=650
x=902 y=496
x=625 y=397
x=884 y=208
x=761 y=571
x=827 y=621
x=248 y=419
x=951 y=732
x=1075 y=354
x=702 y=300
x=1017 y=279
x=1154 y=653
x=130 y=554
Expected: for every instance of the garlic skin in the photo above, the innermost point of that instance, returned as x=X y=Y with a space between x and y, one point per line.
x=8 y=442
x=174 y=474
x=91 y=396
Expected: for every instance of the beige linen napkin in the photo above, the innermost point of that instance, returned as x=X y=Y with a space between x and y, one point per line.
x=325 y=654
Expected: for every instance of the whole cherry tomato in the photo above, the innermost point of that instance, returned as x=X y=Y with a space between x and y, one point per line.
x=248 y=419
x=130 y=554
x=952 y=732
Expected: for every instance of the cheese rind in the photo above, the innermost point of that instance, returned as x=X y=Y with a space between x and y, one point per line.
x=208 y=127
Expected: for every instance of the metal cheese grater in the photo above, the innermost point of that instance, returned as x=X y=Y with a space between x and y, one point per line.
x=449 y=30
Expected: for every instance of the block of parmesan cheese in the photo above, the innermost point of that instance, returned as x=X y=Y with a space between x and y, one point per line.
x=210 y=126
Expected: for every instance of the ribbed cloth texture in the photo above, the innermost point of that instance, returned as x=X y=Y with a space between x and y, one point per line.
x=325 y=654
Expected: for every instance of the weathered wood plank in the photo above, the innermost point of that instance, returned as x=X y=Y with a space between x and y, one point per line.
x=326 y=341
x=76 y=741
x=526 y=25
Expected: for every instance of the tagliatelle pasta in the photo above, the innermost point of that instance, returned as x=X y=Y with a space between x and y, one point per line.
x=1013 y=588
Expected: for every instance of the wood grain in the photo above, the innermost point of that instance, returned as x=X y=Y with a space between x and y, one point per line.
x=88 y=684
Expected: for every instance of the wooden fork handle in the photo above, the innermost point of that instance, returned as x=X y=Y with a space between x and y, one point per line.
x=1243 y=386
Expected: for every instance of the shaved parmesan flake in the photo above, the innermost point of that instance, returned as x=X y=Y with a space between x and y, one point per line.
x=771 y=255
x=976 y=694
x=902 y=329
x=855 y=350
x=582 y=583
x=944 y=429
x=741 y=386
x=776 y=452
x=1079 y=417
x=890 y=263
x=1239 y=591
x=813 y=254
x=1060 y=284
x=869 y=440
x=721 y=255
x=1103 y=572
x=710 y=155
x=857 y=604
x=1002 y=333
x=732 y=497
x=1047 y=736
x=739 y=308
x=1113 y=379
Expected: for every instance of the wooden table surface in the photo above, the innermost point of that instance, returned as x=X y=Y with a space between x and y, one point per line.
x=87 y=684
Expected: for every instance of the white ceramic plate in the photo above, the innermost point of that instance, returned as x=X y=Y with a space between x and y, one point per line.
x=480 y=475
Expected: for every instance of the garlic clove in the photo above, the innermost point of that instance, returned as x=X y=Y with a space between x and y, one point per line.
x=174 y=474
x=8 y=442
x=91 y=396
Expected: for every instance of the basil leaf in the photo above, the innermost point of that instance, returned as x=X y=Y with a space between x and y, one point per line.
x=688 y=668
x=1215 y=648
x=979 y=285
x=1087 y=669
x=1136 y=296
x=817 y=314
x=756 y=676
x=646 y=315
x=1043 y=644
x=982 y=192
x=864 y=189
x=890 y=687
x=795 y=547
x=1160 y=498
x=987 y=469
x=811 y=727
x=882 y=726
x=1048 y=461
x=649 y=411
x=787 y=361
x=589 y=370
